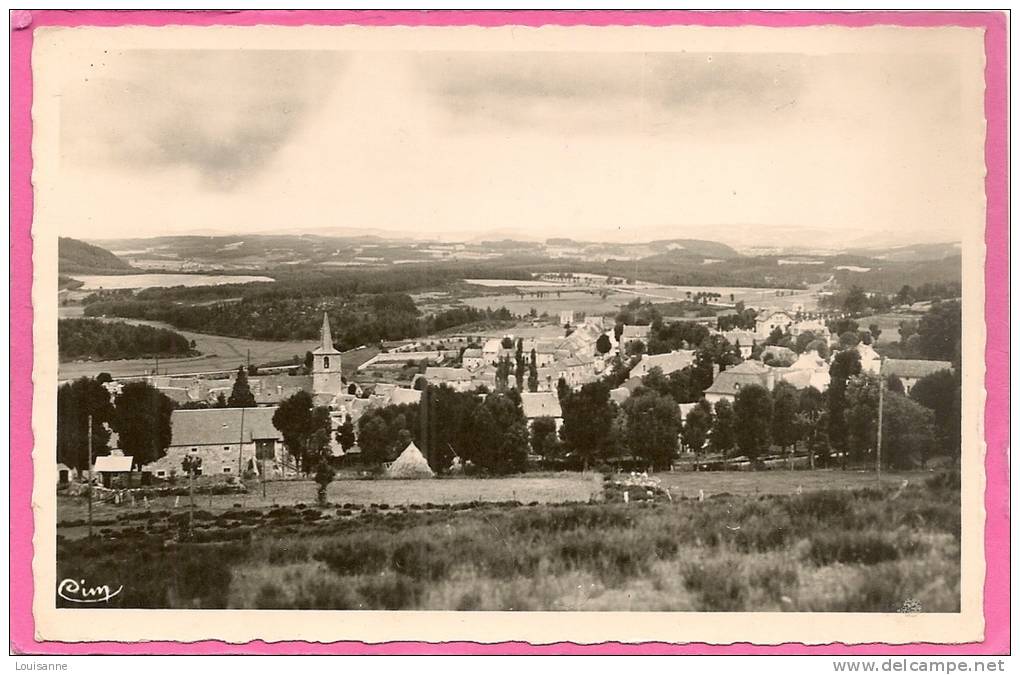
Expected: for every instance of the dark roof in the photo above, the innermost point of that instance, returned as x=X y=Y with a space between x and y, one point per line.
x=222 y=426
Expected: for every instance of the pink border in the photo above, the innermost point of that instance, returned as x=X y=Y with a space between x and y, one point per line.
x=996 y=311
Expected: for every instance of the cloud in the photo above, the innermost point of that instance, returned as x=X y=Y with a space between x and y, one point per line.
x=223 y=114
x=611 y=89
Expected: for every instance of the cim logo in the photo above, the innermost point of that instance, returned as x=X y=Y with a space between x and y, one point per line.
x=76 y=591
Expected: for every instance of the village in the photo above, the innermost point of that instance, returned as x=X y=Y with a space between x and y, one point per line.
x=227 y=423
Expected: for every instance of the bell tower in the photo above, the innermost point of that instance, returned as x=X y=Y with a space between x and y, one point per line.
x=326 y=363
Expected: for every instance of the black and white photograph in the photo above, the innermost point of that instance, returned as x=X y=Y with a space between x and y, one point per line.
x=675 y=322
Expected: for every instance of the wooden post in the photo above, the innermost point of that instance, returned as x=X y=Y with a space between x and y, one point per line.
x=240 y=449
x=878 y=443
x=89 y=487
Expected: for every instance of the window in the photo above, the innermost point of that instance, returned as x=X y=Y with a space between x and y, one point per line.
x=226 y=469
x=226 y=447
x=194 y=450
x=325 y=363
x=160 y=474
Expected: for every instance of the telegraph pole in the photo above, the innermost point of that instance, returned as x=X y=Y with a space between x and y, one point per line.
x=878 y=443
x=90 y=476
x=240 y=448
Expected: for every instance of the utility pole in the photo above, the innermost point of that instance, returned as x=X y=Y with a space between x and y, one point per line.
x=240 y=448
x=90 y=476
x=878 y=443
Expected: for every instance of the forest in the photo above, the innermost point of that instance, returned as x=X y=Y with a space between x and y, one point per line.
x=104 y=340
x=356 y=320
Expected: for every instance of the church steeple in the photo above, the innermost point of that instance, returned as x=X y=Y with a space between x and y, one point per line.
x=326 y=335
x=326 y=371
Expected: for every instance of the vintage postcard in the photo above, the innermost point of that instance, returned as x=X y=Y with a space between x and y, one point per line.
x=402 y=328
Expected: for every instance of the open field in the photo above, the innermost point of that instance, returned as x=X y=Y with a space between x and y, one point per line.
x=586 y=298
x=861 y=551
x=110 y=282
x=544 y=489
x=778 y=482
x=888 y=323
x=217 y=353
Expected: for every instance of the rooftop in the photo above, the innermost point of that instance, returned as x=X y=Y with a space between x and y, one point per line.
x=222 y=426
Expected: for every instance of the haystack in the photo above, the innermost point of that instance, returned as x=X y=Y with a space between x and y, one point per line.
x=410 y=464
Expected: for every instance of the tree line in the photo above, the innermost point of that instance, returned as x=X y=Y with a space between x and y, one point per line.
x=365 y=319
x=94 y=339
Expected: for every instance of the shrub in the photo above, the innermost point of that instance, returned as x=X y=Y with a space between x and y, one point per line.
x=363 y=556
x=719 y=585
x=852 y=547
x=421 y=559
x=391 y=592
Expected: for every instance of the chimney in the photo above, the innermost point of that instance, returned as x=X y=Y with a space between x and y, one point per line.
x=715 y=371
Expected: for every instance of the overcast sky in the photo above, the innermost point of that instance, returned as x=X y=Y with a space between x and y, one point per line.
x=617 y=146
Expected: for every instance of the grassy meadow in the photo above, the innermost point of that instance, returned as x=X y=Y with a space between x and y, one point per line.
x=863 y=550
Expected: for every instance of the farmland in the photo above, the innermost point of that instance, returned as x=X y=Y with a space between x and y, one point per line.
x=216 y=353
x=590 y=300
x=863 y=550
x=552 y=488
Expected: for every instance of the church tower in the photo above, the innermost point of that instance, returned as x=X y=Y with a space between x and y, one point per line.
x=326 y=363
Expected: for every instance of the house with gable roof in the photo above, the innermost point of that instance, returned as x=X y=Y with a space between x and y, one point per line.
x=729 y=382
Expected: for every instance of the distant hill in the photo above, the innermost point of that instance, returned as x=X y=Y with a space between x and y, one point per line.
x=696 y=247
x=78 y=257
x=912 y=253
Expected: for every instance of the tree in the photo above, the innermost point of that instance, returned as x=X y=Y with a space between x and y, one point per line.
x=753 y=412
x=875 y=331
x=657 y=382
x=811 y=423
x=775 y=337
x=861 y=415
x=844 y=325
x=618 y=331
x=519 y=364
x=856 y=301
x=849 y=340
x=305 y=428
x=75 y=402
x=587 y=419
x=940 y=393
x=309 y=363
x=653 y=426
x=907 y=432
x=820 y=347
x=715 y=350
x=845 y=364
x=603 y=344
x=696 y=426
x=802 y=342
x=323 y=477
x=723 y=436
x=940 y=331
x=502 y=373
x=141 y=419
x=221 y=400
x=500 y=435
x=240 y=394
x=562 y=389
x=345 y=435
x=543 y=436
x=907 y=328
x=894 y=384
x=784 y=415
x=533 y=372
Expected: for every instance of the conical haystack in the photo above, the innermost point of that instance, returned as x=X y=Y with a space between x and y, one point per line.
x=410 y=464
